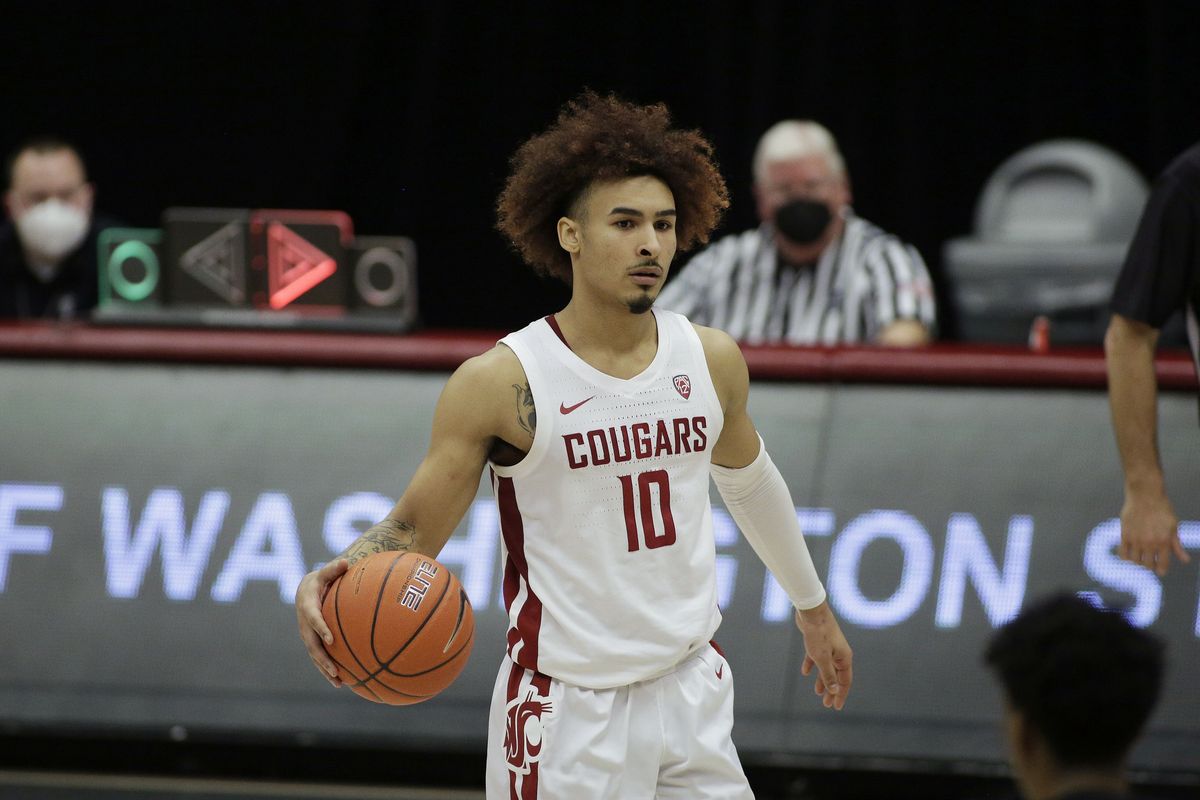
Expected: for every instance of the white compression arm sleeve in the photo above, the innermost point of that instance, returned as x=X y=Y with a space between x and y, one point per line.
x=761 y=505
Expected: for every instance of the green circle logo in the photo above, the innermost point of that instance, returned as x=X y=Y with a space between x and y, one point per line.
x=133 y=291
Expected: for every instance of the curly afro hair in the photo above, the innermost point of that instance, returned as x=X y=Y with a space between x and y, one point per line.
x=599 y=138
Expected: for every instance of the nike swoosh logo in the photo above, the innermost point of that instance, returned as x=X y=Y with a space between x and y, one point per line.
x=720 y=671
x=563 y=408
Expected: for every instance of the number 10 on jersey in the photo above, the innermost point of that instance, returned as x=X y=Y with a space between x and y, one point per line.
x=646 y=482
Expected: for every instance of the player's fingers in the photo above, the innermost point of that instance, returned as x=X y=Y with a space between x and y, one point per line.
x=845 y=680
x=311 y=594
x=846 y=674
x=1162 y=560
x=1125 y=551
x=316 y=651
x=1180 y=553
x=308 y=610
x=335 y=682
x=828 y=677
x=317 y=621
x=318 y=655
x=328 y=573
x=1143 y=557
x=819 y=688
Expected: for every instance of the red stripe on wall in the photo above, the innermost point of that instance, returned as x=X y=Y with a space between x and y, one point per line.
x=529 y=618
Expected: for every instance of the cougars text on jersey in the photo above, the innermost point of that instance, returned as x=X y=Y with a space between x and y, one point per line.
x=641 y=440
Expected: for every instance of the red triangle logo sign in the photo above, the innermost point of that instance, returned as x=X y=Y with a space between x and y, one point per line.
x=294 y=265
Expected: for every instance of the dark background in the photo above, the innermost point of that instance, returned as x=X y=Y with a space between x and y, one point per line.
x=404 y=114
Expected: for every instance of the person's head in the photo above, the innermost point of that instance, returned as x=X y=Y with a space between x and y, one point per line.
x=604 y=198
x=801 y=186
x=1079 y=684
x=48 y=198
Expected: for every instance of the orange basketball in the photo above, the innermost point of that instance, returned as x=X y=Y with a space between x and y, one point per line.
x=402 y=627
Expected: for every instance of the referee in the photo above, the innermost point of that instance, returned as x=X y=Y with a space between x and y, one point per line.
x=812 y=272
x=1161 y=276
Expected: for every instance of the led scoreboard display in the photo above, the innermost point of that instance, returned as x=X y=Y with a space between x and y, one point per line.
x=155 y=521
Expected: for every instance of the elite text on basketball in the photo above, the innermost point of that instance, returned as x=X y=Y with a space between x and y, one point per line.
x=418 y=585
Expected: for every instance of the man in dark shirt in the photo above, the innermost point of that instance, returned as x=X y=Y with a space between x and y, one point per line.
x=1161 y=276
x=1079 y=684
x=48 y=242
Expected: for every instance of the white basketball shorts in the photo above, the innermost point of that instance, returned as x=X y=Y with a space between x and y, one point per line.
x=668 y=737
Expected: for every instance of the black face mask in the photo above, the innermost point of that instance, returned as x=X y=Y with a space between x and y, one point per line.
x=803 y=221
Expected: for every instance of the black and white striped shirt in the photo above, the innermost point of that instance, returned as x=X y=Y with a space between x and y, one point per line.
x=863 y=281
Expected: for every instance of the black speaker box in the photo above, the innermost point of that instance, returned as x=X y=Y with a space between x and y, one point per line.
x=383 y=277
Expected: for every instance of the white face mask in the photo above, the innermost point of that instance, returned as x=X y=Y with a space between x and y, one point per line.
x=52 y=229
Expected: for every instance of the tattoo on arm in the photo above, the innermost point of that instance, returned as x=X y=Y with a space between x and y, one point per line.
x=390 y=534
x=526 y=415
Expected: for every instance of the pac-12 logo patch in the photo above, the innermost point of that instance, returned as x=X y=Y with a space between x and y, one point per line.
x=683 y=385
x=523 y=730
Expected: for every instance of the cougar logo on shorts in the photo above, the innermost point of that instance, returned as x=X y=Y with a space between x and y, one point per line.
x=523 y=730
x=683 y=385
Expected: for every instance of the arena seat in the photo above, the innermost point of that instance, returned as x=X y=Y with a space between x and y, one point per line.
x=1051 y=229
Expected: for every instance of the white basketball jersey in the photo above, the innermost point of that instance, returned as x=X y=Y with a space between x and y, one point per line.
x=609 y=559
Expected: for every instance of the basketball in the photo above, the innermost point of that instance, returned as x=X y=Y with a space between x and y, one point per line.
x=402 y=627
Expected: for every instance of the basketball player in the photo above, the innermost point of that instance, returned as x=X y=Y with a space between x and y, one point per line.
x=1079 y=684
x=601 y=426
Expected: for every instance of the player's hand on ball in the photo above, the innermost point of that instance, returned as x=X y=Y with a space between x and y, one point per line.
x=313 y=629
x=827 y=649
